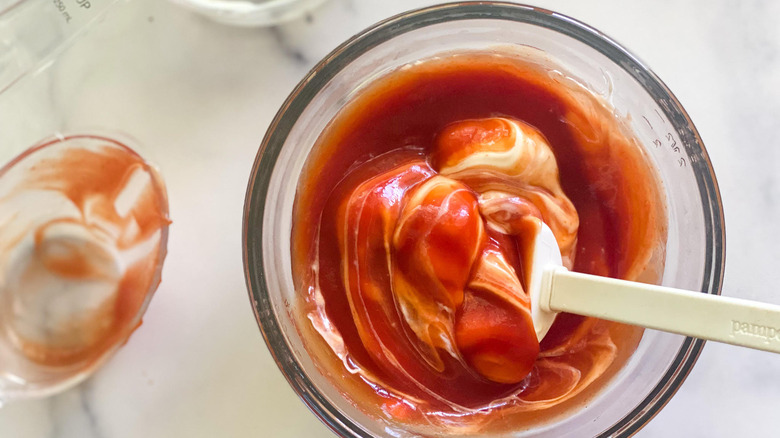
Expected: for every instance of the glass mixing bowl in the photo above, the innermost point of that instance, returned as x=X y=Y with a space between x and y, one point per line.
x=695 y=245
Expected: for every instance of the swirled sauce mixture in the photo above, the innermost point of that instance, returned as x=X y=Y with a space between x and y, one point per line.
x=412 y=227
x=83 y=226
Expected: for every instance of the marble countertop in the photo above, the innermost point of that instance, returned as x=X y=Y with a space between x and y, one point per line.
x=200 y=95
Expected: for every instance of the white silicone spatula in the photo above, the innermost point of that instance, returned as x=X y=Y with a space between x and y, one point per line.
x=555 y=289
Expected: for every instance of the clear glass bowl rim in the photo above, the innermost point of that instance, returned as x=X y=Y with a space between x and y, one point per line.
x=383 y=31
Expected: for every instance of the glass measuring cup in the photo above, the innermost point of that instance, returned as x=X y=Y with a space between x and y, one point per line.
x=694 y=248
x=79 y=261
x=33 y=31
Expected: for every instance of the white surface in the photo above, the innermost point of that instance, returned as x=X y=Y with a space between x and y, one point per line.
x=200 y=96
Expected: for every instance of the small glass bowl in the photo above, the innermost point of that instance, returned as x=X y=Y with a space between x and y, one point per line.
x=63 y=310
x=695 y=245
x=250 y=12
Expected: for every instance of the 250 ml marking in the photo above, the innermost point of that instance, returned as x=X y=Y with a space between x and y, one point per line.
x=63 y=8
x=768 y=333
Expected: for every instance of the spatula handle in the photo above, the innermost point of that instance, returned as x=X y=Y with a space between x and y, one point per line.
x=700 y=315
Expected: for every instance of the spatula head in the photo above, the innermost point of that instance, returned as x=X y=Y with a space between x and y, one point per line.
x=546 y=255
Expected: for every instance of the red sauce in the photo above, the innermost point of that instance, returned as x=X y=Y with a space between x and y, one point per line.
x=385 y=145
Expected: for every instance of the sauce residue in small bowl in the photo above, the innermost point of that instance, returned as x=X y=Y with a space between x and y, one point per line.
x=83 y=232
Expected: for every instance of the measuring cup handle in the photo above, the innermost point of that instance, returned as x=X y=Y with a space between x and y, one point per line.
x=32 y=32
